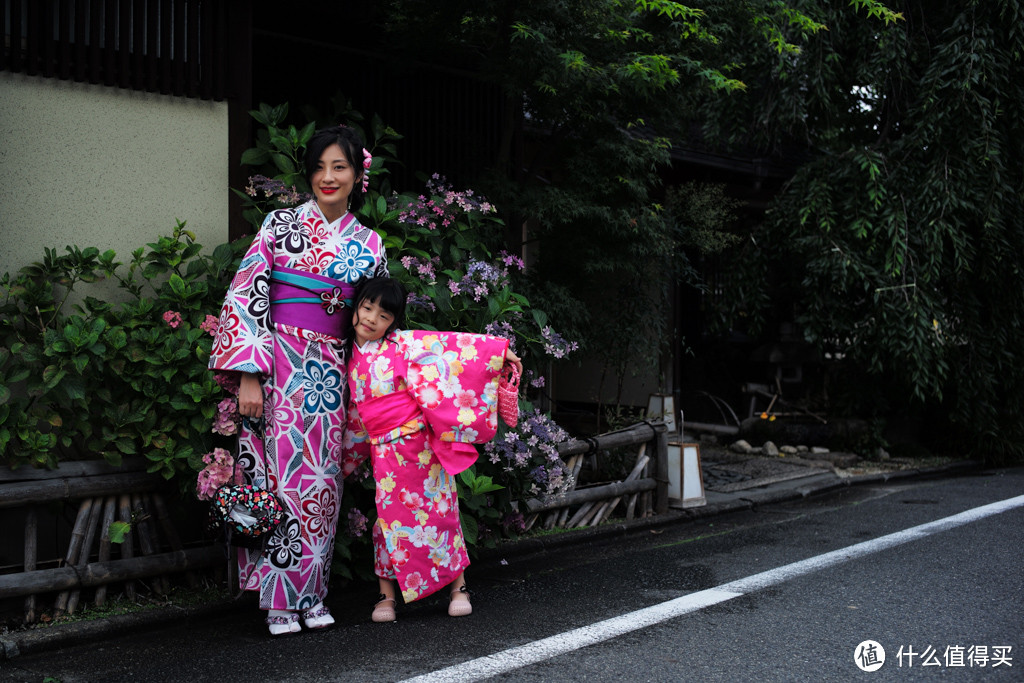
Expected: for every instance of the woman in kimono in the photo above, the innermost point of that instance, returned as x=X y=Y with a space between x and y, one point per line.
x=419 y=400
x=283 y=328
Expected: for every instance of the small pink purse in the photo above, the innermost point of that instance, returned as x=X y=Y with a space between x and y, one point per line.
x=508 y=395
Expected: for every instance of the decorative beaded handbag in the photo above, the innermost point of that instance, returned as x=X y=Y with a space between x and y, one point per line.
x=508 y=395
x=249 y=514
x=246 y=514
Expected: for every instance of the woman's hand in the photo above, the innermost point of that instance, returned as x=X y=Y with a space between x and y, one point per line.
x=250 y=396
x=514 y=360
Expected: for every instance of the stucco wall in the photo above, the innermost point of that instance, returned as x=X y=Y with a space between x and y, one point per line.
x=96 y=166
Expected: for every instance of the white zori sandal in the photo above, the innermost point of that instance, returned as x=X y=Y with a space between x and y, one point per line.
x=317 y=616
x=282 y=621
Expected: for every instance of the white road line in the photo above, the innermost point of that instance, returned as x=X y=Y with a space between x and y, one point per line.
x=538 y=651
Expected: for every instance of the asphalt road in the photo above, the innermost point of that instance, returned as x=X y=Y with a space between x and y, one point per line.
x=671 y=604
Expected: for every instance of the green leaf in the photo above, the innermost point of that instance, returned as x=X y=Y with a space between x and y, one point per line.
x=539 y=317
x=126 y=446
x=52 y=375
x=254 y=157
x=470 y=529
x=283 y=163
x=177 y=284
x=118 y=531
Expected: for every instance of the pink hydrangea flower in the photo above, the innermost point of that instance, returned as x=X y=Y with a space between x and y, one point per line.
x=219 y=470
x=172 y=318
x=210 y=325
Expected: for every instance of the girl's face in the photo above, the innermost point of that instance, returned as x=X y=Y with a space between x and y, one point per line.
x=333 y=181
x=370 y=321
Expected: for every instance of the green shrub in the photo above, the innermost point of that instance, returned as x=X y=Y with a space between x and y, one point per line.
x=84 y=377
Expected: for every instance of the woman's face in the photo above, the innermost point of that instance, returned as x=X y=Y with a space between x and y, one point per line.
x=333 y=181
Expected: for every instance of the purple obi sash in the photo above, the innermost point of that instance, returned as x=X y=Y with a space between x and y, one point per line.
x=384 y=413
x=311 y=302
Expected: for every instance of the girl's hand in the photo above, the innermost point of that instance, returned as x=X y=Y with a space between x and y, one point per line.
x=514 y=360
x=250 y=396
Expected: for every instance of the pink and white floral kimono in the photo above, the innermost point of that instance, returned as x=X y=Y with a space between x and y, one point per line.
x=285 y=318
x=418 y=401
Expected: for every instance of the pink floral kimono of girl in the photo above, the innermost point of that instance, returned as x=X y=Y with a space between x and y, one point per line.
x=418 y=401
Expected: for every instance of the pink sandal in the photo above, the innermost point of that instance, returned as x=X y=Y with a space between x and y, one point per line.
x=459 y=608
x=384 y=613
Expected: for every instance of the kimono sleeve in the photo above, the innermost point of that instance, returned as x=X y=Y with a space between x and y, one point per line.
x=243 y=339
x=453 y=376
x=355 y=448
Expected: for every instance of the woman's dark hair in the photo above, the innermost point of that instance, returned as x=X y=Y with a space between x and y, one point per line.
x=351 y=146
x=387 y=293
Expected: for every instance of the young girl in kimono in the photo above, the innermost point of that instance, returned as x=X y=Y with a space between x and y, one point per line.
x=419 y=400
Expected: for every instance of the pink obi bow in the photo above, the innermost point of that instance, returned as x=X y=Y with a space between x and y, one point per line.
x=383 y=414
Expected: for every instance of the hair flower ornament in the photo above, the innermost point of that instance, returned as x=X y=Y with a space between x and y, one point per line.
x=367 y=162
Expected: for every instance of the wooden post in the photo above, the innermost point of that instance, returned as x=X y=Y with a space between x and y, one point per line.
x=661 y=468
x=588 y=495
x=587 y=518
x=127 y=546
x=603 y=511
x=100 y=573
x=146 y=542
x=31 y=548
x=575 y=464
x=83 y=557
x=15 y=493
x=71 y=559
x=580 y=514
x=170 y=533
x=631 y=507
x=551 y=519
x=104 y=552
x=641 y=462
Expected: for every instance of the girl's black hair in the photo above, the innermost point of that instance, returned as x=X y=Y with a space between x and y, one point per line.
x=351 y=146
x=387 y=293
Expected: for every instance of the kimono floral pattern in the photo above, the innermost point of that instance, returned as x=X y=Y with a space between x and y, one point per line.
x=303 y=377
x=453 y=378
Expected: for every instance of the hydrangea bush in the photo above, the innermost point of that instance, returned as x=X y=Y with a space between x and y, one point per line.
x=88 y=374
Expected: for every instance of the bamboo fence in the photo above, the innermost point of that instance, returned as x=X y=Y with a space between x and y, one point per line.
x=103 y=494
x=646 y=484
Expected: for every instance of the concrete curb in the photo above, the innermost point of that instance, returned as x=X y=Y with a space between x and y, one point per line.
x=17 y=643
x=780 y=492
x=33 y=640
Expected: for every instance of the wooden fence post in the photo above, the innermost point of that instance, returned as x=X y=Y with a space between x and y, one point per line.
x=661 y=468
